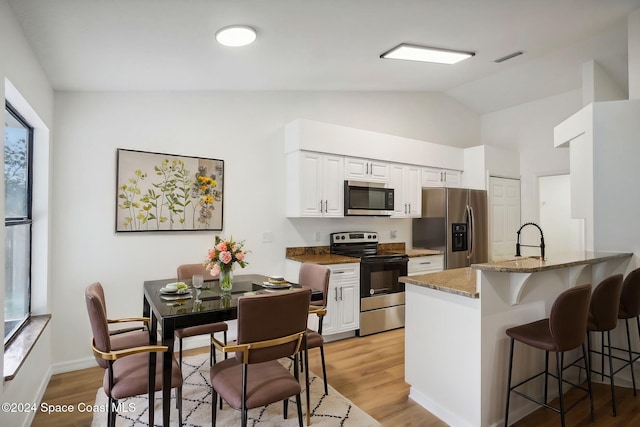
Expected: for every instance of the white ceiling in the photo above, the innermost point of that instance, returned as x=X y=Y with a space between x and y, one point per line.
x=328 y=45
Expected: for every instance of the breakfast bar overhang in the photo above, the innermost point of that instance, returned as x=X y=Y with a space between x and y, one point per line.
x=456 y=350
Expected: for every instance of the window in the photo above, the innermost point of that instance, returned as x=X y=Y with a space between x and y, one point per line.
x=18 y=149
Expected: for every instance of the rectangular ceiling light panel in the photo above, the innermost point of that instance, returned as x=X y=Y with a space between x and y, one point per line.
x=426 y=54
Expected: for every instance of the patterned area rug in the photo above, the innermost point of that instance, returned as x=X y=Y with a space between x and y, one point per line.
x=330 y=410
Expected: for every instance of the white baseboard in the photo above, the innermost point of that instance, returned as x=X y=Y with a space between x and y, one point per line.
x=39 y=395
x=438 y=410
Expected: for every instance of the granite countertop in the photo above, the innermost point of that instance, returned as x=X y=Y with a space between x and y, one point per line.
x=534 y=264
x=459 y=281
x=323 y=255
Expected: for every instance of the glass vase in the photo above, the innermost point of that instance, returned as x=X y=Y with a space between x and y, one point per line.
x=226 y=280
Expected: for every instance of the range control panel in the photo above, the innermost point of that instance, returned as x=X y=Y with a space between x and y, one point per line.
x=354 y=237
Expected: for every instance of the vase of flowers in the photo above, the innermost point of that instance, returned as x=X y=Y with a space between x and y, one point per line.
x=222 y=258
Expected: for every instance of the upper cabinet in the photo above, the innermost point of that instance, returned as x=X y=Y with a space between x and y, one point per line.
x=314 y=185
x=366 y=170
x=405 y=180
x=435 y=177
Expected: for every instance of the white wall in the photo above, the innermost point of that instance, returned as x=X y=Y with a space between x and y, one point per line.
x=633 y=40
x=246 y=130
x=528 y=129
x=30 y=88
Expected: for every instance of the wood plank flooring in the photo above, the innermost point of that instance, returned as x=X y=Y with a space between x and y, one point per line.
x=370 y=372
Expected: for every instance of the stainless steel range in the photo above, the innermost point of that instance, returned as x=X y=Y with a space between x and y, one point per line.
x=381 y=295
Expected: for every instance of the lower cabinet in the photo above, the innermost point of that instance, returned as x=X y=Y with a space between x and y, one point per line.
x=425 y=264
x=343 y=303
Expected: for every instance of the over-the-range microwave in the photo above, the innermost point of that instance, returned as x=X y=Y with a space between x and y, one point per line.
x=367 y=199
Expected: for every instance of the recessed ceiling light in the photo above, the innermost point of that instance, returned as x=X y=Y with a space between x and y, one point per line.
x=236 y=35
x=426 y=54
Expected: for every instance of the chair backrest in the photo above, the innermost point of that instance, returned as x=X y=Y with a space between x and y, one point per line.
x=316 y=277
x=269 y=316
x=605 y=301
x=94 y=297
x=187 y=271
x=568 y=318
x=630 y=297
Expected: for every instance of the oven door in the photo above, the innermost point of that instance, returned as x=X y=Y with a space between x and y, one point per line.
x=379 y=276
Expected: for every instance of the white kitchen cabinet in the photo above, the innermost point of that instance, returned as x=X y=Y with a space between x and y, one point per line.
x=343 y=302
x=435 y=177
x=315 y=185
x=366 y=170
x=405 y=180
x=425 y=264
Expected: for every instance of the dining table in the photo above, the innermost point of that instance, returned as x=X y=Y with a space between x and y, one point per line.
x=174 y=311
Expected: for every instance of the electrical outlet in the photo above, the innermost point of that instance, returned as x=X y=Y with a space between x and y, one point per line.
x=394 y=234
x=316 y=236
x=267 y=237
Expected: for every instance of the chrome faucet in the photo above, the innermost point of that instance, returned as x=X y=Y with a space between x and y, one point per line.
x=541 y=240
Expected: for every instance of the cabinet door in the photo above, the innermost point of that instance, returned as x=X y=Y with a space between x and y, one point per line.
x=329 y=324
x=397 y=183
x=349 y=307
x=452 y=178
x=425 y=264
x=356 y=169
x=413 y=191
x=378 y=171
x=333 y=186
x=311 y=185
x=432 y=177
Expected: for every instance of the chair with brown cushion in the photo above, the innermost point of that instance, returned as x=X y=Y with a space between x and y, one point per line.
x=316 y=277
x=562 y=331
x=270 y=327
x=628 y=309
x=128 y=371
x=603 y=317
x=126 y=337
x=186 y=272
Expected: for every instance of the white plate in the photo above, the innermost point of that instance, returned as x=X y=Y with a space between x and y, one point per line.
x=164 y=289
x=276 y=285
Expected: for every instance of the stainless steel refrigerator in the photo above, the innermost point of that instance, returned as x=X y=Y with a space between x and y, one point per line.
x=454 y=220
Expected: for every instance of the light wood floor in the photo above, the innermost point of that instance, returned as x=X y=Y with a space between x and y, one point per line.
x=358 y=368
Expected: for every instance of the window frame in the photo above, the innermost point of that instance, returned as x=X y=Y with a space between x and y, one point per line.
x=26 y=220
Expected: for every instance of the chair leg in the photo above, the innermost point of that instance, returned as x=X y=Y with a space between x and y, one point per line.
x=179 y=404
x=506 y=412
x=546 y=375
x=285 y=408
x=180 y=352
x=214 y=406
x=299 y=407
x=212 y=352
x=587 y=363
x=613 y=386
x=225 y=342
x=559 y=362
x=111 y=415
x=633 y=378
x=324 y=370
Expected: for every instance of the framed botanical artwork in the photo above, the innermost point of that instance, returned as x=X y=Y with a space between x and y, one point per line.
x=167 y=192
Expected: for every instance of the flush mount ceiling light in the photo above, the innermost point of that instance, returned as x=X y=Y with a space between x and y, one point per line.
x=236 y=35
x=426 y=54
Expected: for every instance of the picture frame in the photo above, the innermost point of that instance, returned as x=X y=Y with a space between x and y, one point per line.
x=168 y=192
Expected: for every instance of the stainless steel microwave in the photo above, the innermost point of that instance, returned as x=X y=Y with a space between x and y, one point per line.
x=367 y=199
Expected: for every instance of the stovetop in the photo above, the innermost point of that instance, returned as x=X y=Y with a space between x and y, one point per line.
x=359 y=244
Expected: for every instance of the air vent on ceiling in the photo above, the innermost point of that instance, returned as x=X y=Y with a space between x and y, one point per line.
x=511 y=55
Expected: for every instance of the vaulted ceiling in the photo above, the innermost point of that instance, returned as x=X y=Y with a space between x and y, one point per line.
x=328 y=45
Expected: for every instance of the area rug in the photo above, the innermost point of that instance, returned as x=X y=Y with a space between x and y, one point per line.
x=326 y=410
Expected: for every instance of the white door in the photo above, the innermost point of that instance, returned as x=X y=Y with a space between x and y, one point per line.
x=561 y=233
x=504 y=217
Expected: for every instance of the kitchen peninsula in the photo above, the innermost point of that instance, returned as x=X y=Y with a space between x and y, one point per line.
x=456 y=350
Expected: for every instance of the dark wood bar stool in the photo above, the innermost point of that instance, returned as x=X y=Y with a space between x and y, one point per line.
x=603 y=317
x=630 y=308
x=562 y=331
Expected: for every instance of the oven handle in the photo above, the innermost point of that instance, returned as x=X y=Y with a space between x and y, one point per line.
x=398 y=259
x=379 y=291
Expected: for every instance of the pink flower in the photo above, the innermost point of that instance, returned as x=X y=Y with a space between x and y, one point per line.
x=240 y=256
x=222 y=246
x=212 y=253
x=226 y=257
x=215 y=270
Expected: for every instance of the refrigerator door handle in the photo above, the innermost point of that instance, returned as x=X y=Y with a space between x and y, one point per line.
x=471 y=231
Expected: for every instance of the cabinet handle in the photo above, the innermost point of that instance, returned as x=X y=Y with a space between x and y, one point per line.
x=425 y=263
x=340 y=294
x=409 y=208
x=338 y=272
x=336 y=296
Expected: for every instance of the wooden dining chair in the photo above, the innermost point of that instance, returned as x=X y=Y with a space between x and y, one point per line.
x=127 y=337
x=316 y=277
x=129 y=371
x=270 y=327
x=186 y=272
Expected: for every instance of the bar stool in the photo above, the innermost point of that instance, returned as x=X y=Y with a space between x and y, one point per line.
x=603 y=317
x=630 y=308
x=562 y=331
